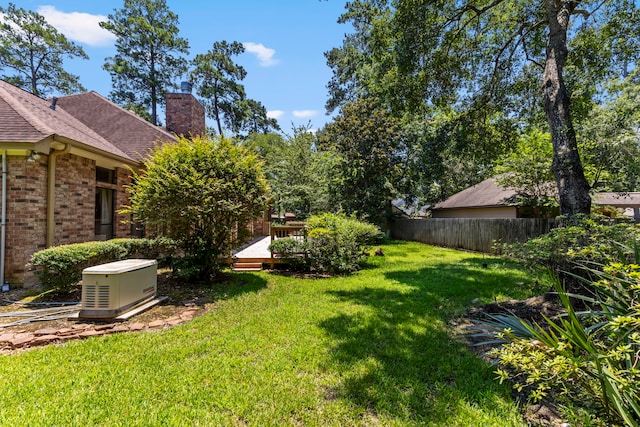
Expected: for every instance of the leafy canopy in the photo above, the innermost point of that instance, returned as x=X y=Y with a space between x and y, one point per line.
x=300 y=176
x=370 y=145
x=422 y=60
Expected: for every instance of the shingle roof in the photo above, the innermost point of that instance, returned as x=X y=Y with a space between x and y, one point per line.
x=122 y=128
x=485 y=194
x=27 y=118
x=489 y=194
x=627 y=200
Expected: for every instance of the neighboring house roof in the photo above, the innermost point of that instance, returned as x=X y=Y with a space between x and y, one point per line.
x=489 y=194
x=621 y=200
x=130 y=133
x=483 y=195
x=27 y=118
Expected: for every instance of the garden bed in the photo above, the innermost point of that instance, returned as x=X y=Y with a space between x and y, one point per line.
x=184 y=302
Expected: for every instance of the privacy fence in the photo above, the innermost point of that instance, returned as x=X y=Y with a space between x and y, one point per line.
x=474 y=234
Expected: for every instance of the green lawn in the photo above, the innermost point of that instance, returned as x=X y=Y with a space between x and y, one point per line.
x=369 y=349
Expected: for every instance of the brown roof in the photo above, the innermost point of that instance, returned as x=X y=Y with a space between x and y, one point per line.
x=483 y=195
x=27 y=118
x=623 y=200
x=124 y=129
x=489 y=194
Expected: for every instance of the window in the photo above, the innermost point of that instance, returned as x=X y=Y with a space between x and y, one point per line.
x=104 y=213
x=108 y=176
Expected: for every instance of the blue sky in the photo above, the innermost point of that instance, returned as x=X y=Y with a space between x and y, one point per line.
x=284 y=41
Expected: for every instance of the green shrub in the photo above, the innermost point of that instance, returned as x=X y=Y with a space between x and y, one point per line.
x=337 y=242
x=294 y=251
x=60 y=268
x=590 y=358
x=200 y=193
x=584 y=240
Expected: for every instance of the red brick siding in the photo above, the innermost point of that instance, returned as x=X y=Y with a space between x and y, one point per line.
x=185 y=115
x=122 y=226
x=26 y=214
x=74 y=208
x=75 y=200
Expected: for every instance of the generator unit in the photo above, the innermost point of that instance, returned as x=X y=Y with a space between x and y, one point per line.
x=109 y=290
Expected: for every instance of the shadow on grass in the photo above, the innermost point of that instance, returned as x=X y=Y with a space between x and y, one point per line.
x=237 y=284
x=394 y=352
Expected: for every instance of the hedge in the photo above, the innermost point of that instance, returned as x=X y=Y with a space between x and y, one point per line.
x=60 y=268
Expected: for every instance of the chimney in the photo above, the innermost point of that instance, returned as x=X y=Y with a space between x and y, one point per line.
x=185 y=115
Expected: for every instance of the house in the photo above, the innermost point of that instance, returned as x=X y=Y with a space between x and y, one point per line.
x=490 y=200
x=484 y=200
x=65 y=165
x=627 y=204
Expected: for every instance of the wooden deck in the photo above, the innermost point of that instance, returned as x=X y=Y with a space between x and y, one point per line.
x=257 y=253
x=257 y=250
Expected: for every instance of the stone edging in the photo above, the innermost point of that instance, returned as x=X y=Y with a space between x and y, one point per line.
x=12 y=341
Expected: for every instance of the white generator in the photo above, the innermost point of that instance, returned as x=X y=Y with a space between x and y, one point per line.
x=109 y=290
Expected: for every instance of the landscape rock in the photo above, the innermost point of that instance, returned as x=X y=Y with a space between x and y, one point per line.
x=46 y=331
x=45 y=339
x=21 y=340
x=137 y=326
x=156 y=324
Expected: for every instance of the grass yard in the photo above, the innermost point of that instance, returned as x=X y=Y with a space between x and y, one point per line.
x=369 y=349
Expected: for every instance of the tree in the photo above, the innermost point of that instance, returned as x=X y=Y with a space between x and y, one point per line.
x=148 y=53
x=299 y=175
x=527 y=171
x=217 y=80
x=254 y=119
x=34 y=50
x=201 y=193
x=370 y=145
x=468 y=54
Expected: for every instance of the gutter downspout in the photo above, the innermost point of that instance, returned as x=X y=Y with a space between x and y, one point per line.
x=3 y=217
x=51 y=191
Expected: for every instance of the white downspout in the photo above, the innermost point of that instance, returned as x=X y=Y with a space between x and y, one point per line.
x=3 y=216
x=51 y=192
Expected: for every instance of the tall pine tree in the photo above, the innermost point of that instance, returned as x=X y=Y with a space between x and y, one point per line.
x=149 y=53
x=32 y=51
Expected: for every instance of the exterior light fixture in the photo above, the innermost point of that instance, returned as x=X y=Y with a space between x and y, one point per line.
x=33 y=156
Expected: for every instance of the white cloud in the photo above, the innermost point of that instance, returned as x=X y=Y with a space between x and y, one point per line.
x=263 y=53
x=78 y=26
x=305 y=114
x=275 y=114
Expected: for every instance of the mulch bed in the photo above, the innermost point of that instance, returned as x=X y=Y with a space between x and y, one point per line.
x=532 y=309
x=185 y=301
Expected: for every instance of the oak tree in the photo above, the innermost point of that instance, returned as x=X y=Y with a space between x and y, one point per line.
x=419 y=56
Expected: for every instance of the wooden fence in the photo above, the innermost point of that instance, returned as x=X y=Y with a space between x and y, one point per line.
x=470 y=233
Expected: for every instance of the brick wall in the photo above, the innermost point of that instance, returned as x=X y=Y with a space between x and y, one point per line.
x=75 y=200
x=122 y=227
x=74 y=208
x=185 y=115
x=26 y=214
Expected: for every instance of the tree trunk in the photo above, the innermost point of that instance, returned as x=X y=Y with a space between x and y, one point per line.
x=573 y=189
x=154 y=87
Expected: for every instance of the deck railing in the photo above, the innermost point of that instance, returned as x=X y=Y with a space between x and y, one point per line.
x=295 y=230
x=282 y=231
